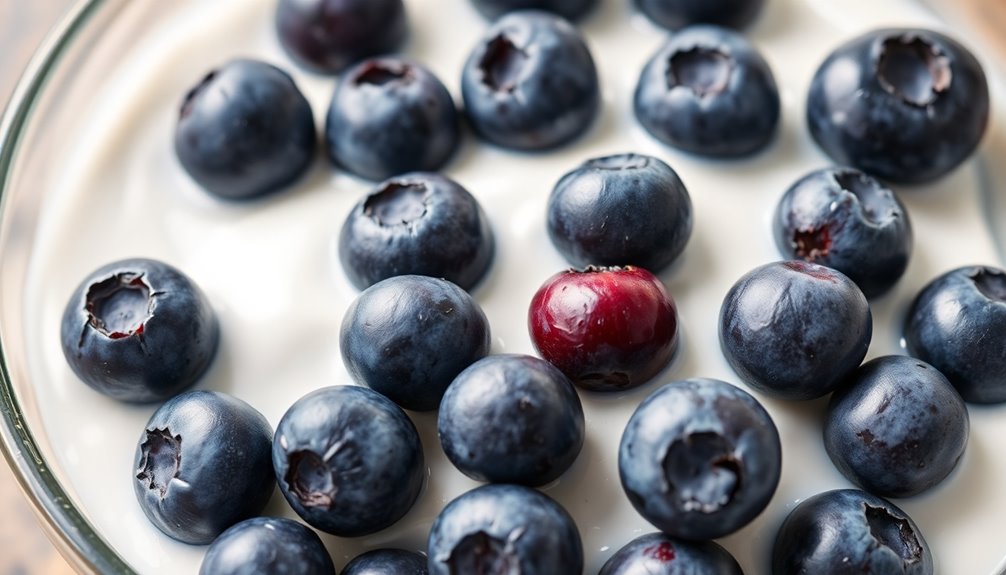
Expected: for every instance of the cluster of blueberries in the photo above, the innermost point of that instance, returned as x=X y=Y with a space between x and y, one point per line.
x=698 y=459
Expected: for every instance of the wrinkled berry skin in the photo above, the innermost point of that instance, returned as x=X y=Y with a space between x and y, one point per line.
x=845 y=219
x=709 y=92
x=407 y=337
x=418 y=223
x=896 y=427
x=699 y=458
x=607 y=329
x=957 y=324
x=139 y=330
x=568 y=9
x=267 y=545
x=849 y=532
x=327 y=36
x=511 y=419
x=905 y=105
x=348 y=460
x=676 y=14
x=202 y=465
x=500 y=528
x=530 y=83
x=387 y=562
x=390 y=116
x=660 y=554
x=794 y=329
x=245 y=130
x=627 y=209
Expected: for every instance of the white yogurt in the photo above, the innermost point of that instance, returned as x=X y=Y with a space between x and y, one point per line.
x=269 y=268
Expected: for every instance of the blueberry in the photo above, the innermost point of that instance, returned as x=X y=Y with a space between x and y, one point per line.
x=896 y=427
x=530 y=83
x=511 y=419
x=794 y=329
x=500 y=528
x=699 y=458
x=327 y=36
x=203 y=464
x=661 y=554
x=675 y=14
x=849 y=532
x=957 y=324
x=568 y=9
x=387 y=562
x=709 y=92
x=845 y=219
x=389 y=116
x=407 y=337
x=267 y=546
x=417 y=223
x=348 y=460
x=245 y=130
x=139 y=330
x=620 y=210
x=906 y=105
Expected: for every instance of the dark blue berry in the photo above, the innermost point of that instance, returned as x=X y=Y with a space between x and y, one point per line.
x=628 y=209
x=245 y=130
x=530 y=83
x=795 y=329
x=348 y=460
x=139 y=330
x=709 y=92
x=203 y=464
x=499 y=528
x=407 y=337
x=267 y=546
x=675 y=14
x=905 y=105
x=387 y=562
x=511 y=419
x=568 y=9
x=699 y=458
x=661 y=554
x=957 y=324
x=417 y=223
x=844 y=219
x=389 y=116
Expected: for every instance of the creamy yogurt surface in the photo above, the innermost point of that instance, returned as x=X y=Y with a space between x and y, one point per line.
x=270 y=268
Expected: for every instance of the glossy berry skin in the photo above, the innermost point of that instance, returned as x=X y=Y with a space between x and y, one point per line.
x=501 y=528
x=896 y=427
x=709 y=92
x=845 y=219
x=387 y=562
x=661 y=554
x=348 y=460
x=418 y=223
x=794 y=329
x=267 y=546
x=530 y=83
x=389 y=116
x=699 y=458
x=606 y=328
x=957 y=324
x=676 y=14
x=407 y=337
x=327 y=36
x=245 y=130
x=850 y=532
x=905 y=105
x=619 y=210
x=568 y=9
x=139 y=330
x=511 y=419
x=203 y=464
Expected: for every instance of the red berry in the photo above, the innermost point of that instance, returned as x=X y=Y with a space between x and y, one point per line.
x=606 y=328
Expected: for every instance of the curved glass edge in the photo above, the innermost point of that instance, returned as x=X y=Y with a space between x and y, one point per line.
x=68 y=529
